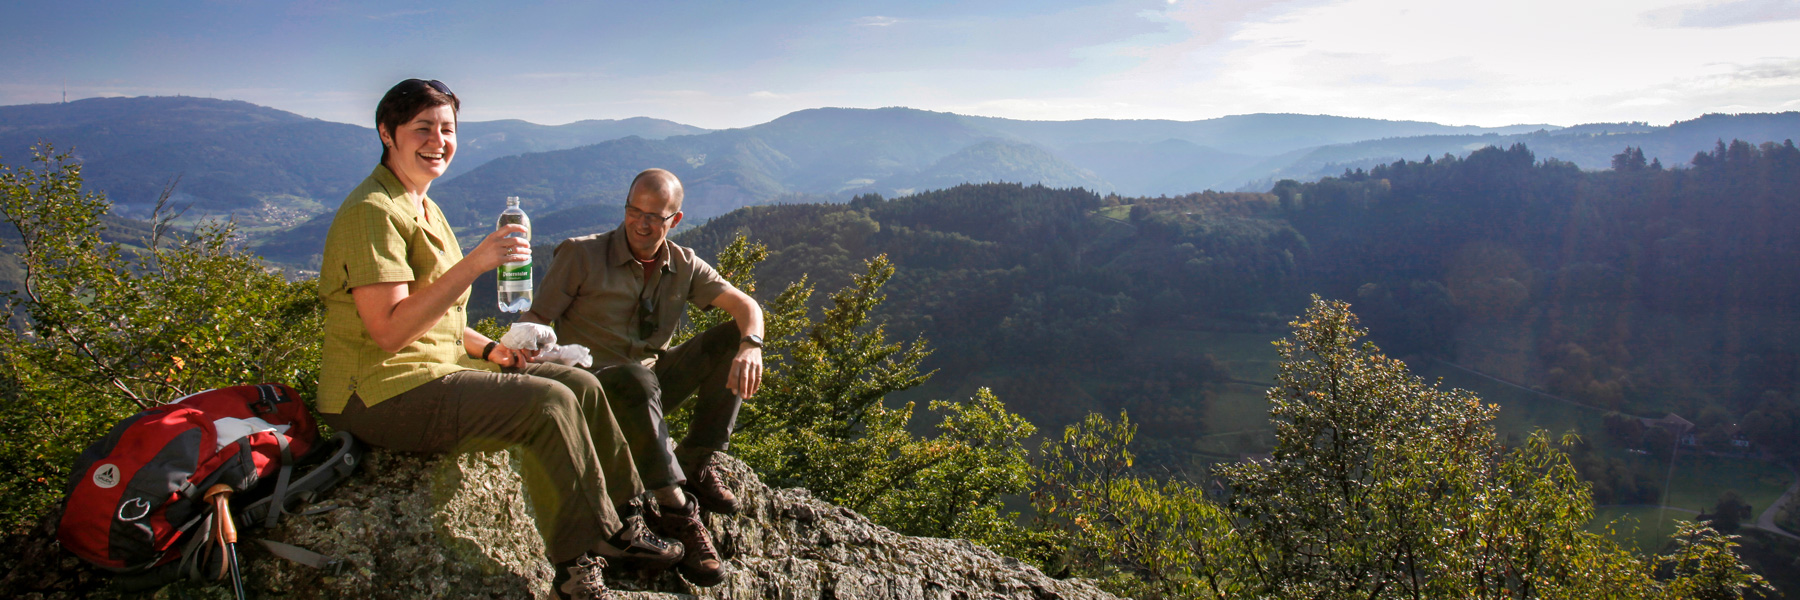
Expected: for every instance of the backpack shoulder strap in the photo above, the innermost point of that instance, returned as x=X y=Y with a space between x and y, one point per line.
x=281 y=481
x=268 y=511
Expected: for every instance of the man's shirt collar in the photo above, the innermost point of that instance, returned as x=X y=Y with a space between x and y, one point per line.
x=619 y=251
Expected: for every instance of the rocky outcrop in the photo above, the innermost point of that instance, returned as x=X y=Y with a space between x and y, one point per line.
x=458 y=527
x=414 y=526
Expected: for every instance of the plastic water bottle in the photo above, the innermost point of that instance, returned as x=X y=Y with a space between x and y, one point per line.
x=514 y=278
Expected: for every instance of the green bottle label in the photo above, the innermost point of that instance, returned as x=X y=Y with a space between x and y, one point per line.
x=515 y=278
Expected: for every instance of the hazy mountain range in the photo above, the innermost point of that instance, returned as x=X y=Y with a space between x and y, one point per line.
x=282 y=174
x=262 y=165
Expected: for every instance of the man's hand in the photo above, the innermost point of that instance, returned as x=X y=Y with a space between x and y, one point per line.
x=746 y=372
x=746 y=369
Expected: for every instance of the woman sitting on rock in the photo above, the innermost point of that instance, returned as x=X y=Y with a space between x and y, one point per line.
x=402 y=370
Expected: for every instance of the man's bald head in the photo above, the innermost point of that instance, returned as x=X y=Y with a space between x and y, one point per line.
x=663 y=184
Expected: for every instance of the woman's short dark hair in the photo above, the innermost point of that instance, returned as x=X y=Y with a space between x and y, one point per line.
x=406 y=100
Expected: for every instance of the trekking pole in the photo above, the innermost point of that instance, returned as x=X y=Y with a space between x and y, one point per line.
x=220 y=496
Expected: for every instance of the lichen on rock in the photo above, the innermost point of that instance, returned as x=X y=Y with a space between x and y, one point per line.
x=417 y=526
x=411 y=526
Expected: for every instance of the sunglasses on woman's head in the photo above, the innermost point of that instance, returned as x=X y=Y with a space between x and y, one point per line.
x=435 y=84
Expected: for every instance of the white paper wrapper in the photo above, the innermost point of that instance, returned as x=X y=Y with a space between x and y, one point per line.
x=529 y=336
x=573 y=355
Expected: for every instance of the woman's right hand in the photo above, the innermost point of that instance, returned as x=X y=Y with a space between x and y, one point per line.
x=498 y=249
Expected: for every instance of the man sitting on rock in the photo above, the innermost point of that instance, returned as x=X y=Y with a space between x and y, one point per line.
x=621 y=294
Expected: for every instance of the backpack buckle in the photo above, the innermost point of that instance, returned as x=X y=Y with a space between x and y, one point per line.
x=266 y=399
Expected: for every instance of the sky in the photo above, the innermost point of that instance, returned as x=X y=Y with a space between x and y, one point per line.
x=729 y=64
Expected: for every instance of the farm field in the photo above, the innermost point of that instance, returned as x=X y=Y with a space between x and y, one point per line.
x=1695 y=485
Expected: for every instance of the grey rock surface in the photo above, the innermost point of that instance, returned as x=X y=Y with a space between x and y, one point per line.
x=412 y=526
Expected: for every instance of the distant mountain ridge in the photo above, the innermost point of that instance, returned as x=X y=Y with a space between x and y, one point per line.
x=1590 y=147
x=829 y=154
x=1262 y=134
x=281 y=175
x=228 y=154
x=251 y=161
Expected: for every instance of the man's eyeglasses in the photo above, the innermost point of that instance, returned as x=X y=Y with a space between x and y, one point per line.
x=633 y=214
x=435 y=84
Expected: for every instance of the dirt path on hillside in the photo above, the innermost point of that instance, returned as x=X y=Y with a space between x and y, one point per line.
x=1767 y=520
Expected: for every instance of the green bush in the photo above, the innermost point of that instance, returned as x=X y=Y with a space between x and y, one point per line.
x=100 y=327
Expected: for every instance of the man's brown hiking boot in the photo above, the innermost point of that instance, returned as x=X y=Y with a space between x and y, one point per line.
x=702 y=566
x=580 y=579
x=635 y=547
x=705 y=484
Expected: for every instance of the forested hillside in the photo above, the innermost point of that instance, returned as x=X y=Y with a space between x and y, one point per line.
x=1050 y=287
x=1641 y=289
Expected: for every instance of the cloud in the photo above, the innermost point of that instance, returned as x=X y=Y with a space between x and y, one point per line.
x=1762 y=86
x=1723 y=14
x=1775 y=70
x=876 y=21
x=767 y=95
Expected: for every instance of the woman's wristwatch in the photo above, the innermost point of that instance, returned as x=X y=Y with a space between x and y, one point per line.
x=488 y=350
x=752 y=339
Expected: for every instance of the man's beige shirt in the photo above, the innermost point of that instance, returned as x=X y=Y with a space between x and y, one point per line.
x=593 y=289
x=379 y=236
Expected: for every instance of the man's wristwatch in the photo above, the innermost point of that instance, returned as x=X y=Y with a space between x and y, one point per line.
x=753 y=340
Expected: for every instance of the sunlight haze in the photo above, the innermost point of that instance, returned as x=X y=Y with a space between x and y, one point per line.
x=728 y=64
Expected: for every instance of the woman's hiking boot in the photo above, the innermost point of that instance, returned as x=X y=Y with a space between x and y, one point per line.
x=635 y=547
x=705 y=484
x=580 y=579
x=702 y=566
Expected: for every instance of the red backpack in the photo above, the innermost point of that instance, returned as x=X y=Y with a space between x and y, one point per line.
x=135 y=493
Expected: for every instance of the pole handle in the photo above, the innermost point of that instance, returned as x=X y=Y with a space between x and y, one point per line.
x=220 y=497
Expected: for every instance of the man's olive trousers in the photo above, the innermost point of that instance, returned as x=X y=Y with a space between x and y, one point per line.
x=641 y=398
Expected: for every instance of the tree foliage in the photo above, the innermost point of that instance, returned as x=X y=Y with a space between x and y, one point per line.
x=819 y=421
x=1380 y=486
x=103 y=327
x=1143 y=538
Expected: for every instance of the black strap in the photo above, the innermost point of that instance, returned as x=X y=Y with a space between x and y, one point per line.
x=192 y=556
x=266 y=399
